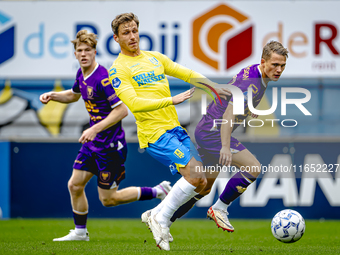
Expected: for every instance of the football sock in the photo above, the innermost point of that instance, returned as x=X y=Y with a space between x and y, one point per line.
x=220 y=205
x=236 y=186
x=80 y=219
x=147 y=193
x=185 y=207
x=181 y=192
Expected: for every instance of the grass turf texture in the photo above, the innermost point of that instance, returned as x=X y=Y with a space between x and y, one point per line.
x=125 y=236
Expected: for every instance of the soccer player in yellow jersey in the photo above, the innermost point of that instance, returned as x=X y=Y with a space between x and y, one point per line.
x=139 y=80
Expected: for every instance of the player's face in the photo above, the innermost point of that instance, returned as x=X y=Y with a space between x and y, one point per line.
x=128 y=38
x=86 y=55
x=273 y=67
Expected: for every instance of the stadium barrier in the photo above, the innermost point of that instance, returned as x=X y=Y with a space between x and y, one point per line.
x=302 y=175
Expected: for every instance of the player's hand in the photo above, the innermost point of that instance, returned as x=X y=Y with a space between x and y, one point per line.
x=225 y=156
x=88 y=135
x=183 y=96
x=46 y=97
x=223 y=92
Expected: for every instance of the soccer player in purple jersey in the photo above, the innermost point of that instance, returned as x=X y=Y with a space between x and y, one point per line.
x=216 y=146
x=103 y=152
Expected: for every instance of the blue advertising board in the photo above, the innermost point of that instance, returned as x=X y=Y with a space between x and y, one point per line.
x=4 y=180
x=40 y=172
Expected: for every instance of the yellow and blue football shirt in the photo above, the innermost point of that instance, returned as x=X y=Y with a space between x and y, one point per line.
x=141 y=83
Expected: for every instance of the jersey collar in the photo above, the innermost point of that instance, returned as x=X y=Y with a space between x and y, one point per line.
x=85 y=78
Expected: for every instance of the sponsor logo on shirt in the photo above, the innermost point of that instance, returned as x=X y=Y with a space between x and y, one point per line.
x=246 y=73
x=112 y=97
x=112 y=71
x=148 y=78
x=116 y=82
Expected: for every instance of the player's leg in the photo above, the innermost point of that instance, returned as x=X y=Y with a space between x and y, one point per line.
x=209 y=158
x=171 y=151
x=211 y=177
x=114 y=197
x=76 y=186
x=185 y=188
x=81 y=174
x=112 y=172
x=249 y=167
x=244 y=160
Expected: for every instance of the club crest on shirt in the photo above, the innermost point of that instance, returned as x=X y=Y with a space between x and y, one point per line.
x=116 y=82
x=105 y=176
x=112 y=71
x=90 y=92
x=154 y=61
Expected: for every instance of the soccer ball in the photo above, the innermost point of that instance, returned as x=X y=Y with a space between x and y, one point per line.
x=288 y=226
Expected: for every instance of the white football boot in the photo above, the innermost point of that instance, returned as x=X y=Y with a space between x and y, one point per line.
x=221 y=219
x=163 y=189
x=145 y=218
x=73 y=236
x=161 y=235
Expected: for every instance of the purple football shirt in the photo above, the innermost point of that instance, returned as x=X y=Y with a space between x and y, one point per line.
x=100 y=98
x=205 y=132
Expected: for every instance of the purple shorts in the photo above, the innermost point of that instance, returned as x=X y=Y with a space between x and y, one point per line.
x=108 y=167
x=210 y=152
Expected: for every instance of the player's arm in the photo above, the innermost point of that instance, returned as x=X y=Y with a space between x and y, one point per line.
x=117 y=114
x=178 y=71
x=137 y=104
x=65 y=97
x=226 y=129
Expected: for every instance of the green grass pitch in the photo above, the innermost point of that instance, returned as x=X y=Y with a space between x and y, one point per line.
x=130 y=236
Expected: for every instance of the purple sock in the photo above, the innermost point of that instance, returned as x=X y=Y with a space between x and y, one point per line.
x=236 y=186
x=147 y=193
x=80 y=220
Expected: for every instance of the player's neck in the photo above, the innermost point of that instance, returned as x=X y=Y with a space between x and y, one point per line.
x=130 y=54
x=264 y=76
x=88 y=70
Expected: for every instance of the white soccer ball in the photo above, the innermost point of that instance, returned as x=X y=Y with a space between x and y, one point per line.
x=288 y=226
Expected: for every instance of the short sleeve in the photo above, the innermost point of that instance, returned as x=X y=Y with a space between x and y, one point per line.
x=120 y=79
x=109 y=92
x=75 y=87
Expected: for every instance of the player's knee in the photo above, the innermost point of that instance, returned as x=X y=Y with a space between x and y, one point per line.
x=109 y=201
x=199 y=182
x=75 y=188
x=254 y=169
x=206 y=190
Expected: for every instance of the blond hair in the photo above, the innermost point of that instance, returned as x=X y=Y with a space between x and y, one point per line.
x=276 y=47
x=121 y=19
x=84 y=37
